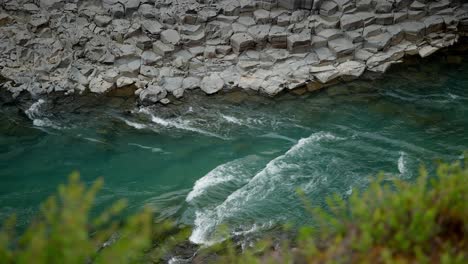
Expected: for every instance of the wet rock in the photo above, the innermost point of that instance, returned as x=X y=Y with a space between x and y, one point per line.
x=427 y=50
x=152 y=94
x=124 y=81
x=99 y=85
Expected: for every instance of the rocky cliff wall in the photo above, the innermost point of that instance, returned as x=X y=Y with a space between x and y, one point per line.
x=165 y=47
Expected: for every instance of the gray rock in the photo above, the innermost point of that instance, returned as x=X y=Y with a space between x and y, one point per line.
x=278 y=37
x=241 y=42
x=299 y=42
x=149 y=58
x=330 y=34
x=124 y=81
x=102 y=21
x=384 y=19
x=162 y=48
x=319 y=42
x=434 y=24
x=351 y=22
x=191 y=83
x=212 y=83
x=351 y=69
x=149 y=71
x=99 y=85
x=427 y=50
x=170 y=36
x=383 y=6
x=210 y=52
x=260 y=34
x=262 y=16
x=152 y=94
x=414 y=31
x=328 y=8
x=341 y=46
x=379 y=42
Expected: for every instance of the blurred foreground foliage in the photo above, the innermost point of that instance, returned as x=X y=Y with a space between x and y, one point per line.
x=392 y=221
x=64 y=232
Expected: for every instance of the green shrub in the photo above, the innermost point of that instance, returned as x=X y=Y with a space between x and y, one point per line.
x=64 y=232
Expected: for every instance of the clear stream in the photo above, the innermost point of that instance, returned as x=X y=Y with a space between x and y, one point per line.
x=236 y=159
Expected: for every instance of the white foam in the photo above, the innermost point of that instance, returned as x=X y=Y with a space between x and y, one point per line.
x=134 y=124
x=278 y=136
x=34 y=110
x=95 y=140
x=182 y=126
x=233 y=170
x=45 y=122
x=257 y=189
x=402 y=163
x=146 y=147
x=232 y=119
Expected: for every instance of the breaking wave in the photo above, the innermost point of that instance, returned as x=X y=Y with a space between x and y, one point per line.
x=279 y=174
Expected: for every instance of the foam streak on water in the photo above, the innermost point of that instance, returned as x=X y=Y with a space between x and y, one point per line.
x=272 y=177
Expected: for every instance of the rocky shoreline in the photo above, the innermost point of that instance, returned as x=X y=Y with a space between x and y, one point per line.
x=159 y=49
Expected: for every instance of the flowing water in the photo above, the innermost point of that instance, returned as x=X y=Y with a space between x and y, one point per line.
x=234 y=159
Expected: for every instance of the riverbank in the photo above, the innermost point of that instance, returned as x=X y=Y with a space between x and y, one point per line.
x=156 y=51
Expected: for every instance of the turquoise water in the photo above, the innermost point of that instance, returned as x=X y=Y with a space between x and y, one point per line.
x=236 y=159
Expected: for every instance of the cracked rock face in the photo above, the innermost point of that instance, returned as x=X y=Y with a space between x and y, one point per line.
x=166 y=47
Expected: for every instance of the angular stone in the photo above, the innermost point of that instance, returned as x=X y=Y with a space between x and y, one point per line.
x=328 y=8
x=149 y=58
x=351 y=22
x=299 y=42
x=427 y=50
x=319 y=42
x=384 y=19
x=353 y=69
x=379 y=42
x=278 y=37
x=212 y=84
x=149 y=71
x=325 y=54
x=283 y=20
x=262 y=16
x=434 y=24
x=99 y=85
x=102 y=21
x=162 y=48
x=341 y=46
x=330 y=34
x=413 y=30
x=124 y=81
x=170 y=36
x=241 y=42
x=191 y=83
x=152 y=94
